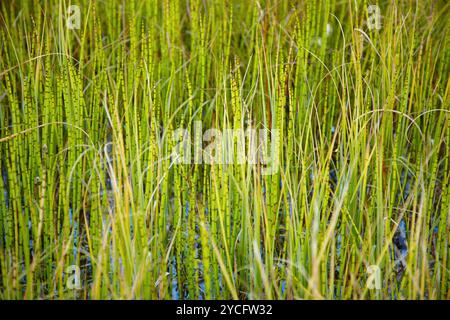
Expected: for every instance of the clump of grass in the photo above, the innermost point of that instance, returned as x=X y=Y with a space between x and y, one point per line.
x=89 y=178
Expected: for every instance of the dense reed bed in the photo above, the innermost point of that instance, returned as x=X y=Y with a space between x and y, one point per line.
x=355 y=204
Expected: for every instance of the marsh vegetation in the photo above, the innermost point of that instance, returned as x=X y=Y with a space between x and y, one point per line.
x=357 y=208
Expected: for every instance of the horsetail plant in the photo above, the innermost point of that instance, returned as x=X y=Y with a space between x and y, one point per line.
x=224 y=149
